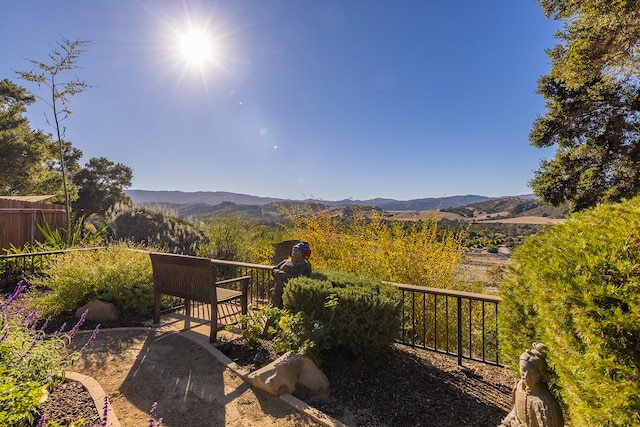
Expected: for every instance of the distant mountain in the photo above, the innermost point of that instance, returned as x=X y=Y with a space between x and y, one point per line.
x=207 y=197
x=510 y=207
x=431 y=203
x=217 y=197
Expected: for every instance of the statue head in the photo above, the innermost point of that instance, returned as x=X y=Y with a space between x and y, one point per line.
x=301 y=251
x=533 y=366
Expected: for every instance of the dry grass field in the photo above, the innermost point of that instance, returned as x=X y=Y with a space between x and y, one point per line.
x=493 y=218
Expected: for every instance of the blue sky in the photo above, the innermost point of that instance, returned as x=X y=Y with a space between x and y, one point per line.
x=341 y=99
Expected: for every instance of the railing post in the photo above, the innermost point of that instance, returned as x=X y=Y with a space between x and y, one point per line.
x=459 y=304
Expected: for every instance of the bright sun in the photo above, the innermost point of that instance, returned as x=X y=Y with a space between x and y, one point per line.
x=197 y=47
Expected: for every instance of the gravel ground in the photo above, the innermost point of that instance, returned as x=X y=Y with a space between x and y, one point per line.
x=411 y=387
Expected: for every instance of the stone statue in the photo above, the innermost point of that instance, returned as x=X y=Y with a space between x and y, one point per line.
x=534 y=405
x=298 y=265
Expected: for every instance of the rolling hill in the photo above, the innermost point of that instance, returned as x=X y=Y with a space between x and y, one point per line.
x=469 y=208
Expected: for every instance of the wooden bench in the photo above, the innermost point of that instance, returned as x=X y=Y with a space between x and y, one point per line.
x=194 y=279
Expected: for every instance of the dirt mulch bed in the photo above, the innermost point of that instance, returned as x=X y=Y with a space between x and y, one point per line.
x=410 y=387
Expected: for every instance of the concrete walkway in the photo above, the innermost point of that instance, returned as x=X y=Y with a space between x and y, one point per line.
x=172 y=365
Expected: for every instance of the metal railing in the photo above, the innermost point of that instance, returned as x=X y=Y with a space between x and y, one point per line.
x=13 y=267
x=461 y=324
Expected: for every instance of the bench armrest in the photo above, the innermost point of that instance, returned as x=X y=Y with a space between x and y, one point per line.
x=221 y=283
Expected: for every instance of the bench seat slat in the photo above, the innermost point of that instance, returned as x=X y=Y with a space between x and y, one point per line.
x=224 y=295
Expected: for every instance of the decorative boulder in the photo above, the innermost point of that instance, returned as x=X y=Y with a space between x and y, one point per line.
x=287 y=373
x=99 y=311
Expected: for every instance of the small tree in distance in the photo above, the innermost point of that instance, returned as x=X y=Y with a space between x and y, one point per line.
x=63 y=58
x=100 y=185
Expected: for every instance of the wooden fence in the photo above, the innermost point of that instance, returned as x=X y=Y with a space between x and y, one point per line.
x=19 y=218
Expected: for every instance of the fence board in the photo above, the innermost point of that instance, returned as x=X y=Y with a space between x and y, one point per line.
x=18 y=219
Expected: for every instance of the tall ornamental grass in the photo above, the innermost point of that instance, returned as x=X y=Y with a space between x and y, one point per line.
x=576 y=288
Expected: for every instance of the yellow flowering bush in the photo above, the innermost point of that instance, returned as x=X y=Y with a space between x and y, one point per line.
x=363 y=242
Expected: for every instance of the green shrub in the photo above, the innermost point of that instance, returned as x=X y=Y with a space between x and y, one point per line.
x=116 y=274
x=576 y=288
x=363 y=314
x=239 y=238
x=297 y=332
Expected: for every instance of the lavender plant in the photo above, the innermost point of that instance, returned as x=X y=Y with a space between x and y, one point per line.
x=31 y=363
x=105 y=412
x=153 y=420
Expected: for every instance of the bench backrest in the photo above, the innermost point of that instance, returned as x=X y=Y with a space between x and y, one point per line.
x=183 y=276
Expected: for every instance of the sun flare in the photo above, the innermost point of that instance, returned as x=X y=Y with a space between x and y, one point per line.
x=197 y=47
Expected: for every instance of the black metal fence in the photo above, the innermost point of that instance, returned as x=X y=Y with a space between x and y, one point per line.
x=14 y=267
x=461 y=324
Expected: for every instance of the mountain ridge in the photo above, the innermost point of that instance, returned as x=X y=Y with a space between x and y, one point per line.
x=215 y=198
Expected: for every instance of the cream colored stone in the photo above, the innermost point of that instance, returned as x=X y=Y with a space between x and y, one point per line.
x=287 y=373
x=99 y=311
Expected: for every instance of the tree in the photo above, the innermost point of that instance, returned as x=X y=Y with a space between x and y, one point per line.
x=592 y=97
x=26 y=156
x=596 y=128
x=100 y=185
x=63 y=58
x=576 y=288
x=599 y=38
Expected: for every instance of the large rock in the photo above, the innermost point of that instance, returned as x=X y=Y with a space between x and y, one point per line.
x=288 y=373
x=99 y=311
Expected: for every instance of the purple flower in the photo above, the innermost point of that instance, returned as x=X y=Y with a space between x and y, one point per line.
x=6 y=334
x=34 y=325
x=20 y=287
x=30 y=318
x=46 y=323
x=80 y=322
x=105 y=412
x=43 y=421
x=152 y=414
x=61 y=330
x=93 y=337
